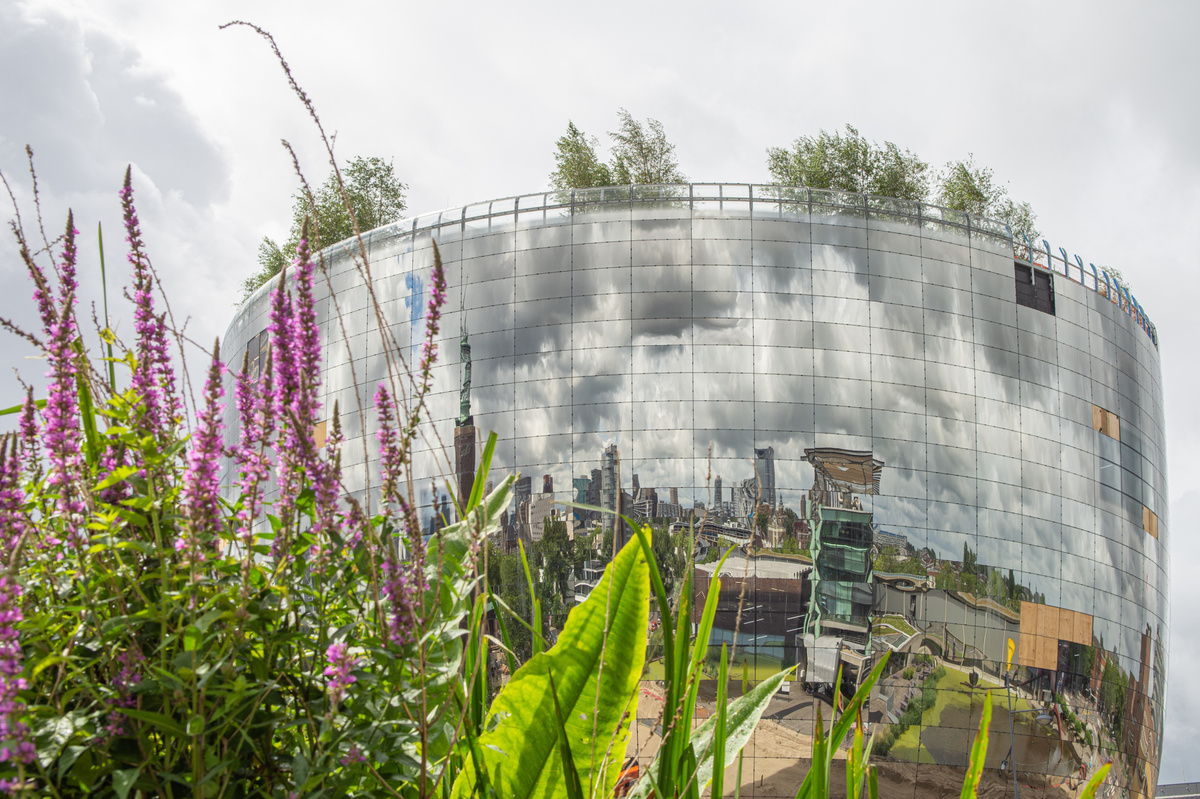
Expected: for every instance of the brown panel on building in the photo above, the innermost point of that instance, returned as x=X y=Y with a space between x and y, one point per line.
x=1080 y=630
x=1112 y=426
x=1047 y=653
x=1043 y=626
x=1027 y=644
x=1150 y=521
x=1048 y=622
x=1084 y=635
x=319 y=435
x=1106 y=422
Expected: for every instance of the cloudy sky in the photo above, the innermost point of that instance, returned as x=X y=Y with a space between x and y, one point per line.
x=1087 y=110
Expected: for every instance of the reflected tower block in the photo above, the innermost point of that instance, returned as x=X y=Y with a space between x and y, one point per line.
x=842 y=576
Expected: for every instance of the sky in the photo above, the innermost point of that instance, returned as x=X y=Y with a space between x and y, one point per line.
x=1087 y=110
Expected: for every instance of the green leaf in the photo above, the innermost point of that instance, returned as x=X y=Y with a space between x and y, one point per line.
x=299 y=769
x=597 y=662
x=123 y=780
x=816 y=782
x=165 y=723
x=978 y=753
x=741 y=717
x=1089 y=790
x=17 y=408
x=117 y=475
x=722 y=728
x=87 y=411
x=536 y=620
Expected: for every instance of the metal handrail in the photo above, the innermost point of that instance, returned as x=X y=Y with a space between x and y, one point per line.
x=756 y=199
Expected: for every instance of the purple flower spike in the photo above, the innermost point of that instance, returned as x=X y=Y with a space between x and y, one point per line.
x=402 y=582
x=337 y=672
x=201 y=487
x=154 y=377
x=61 y=435
x=28 y=427
x=254 y=422
x=15 y=743
x=433 y=317
x=353 y=756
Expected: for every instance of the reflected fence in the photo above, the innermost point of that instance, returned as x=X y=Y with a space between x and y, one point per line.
x=758 y=201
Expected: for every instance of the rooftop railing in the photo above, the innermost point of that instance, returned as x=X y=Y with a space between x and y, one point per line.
x=765 y=201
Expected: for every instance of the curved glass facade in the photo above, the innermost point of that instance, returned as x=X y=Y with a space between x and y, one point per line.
x=966 y=447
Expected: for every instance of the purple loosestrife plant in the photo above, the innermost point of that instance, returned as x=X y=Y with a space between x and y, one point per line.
x=153 y=376
x=131 y=666
x=337 y=674
x=401 y=581
x=61 y=435
x=255 y=414
x=28 y=427
x=201 y=488
x=15 y=744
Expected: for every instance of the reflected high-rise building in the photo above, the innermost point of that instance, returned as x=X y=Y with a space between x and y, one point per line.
x=764 y=472
x=609 y=486
x=790 y=342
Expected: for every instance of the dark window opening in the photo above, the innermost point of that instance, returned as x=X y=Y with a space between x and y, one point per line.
x=256 y=354
x=1035 y=289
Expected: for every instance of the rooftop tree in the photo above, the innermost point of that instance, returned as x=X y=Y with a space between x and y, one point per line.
x=373 y=196
x=850 y=163
x=641 y=154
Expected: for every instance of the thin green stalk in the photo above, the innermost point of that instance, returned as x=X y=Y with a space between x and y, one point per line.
x=718 y=778
x=112 y=375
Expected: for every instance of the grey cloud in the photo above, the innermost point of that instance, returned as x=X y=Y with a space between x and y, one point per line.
x=88 y=106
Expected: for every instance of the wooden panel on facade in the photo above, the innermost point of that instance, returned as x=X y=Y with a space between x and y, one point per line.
x=1106 y=422
x=1112 y=426
x=1043 y=626
x=1150 y=521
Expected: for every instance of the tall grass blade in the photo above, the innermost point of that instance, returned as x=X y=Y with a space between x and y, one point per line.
x=718 y=778
x=535 y=623
x=741 y=717
x=112 y=375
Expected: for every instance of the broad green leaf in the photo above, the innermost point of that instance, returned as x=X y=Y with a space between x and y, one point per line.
x=570 y=773
x=741 y=717
x=597 y=663
x=123 y=780
x=299 y=769
x=117 y=475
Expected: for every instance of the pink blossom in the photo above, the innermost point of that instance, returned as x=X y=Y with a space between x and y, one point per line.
x=337 y=672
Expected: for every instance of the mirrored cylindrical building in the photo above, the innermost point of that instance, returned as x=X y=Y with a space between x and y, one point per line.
x=924 y=438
